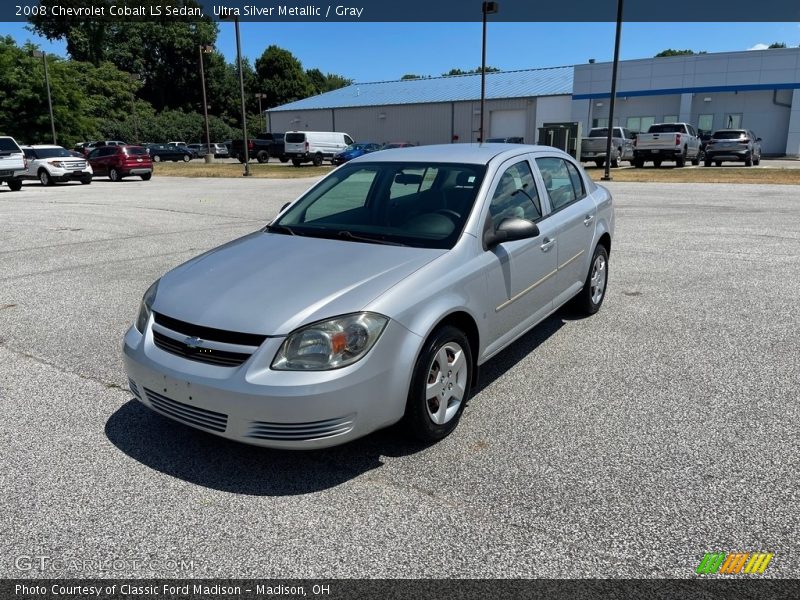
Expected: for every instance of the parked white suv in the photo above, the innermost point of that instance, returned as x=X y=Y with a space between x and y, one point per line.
x=12 y=163
x=50 y=164
x=314 y=146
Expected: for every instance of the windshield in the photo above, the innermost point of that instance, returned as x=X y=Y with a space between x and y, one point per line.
x=8 y=145
x=424 y=205
x=52 y=152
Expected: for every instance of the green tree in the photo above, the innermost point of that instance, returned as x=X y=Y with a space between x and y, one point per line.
x=411 y=76
x=458 y=71
x=777 y=45
x=281 y=77
x=671 y=52
x=322 y=83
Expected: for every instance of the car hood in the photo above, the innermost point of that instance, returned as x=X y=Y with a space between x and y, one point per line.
x=271 y=283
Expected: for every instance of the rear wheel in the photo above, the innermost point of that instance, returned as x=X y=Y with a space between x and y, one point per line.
x=615 y=159
x=638 y=163
x=440 y=385
x=147 y=176
x=680 y=161
x=44 y=177
x=156 y=158
x=590 y=298
x=600 y=162
x=707 y=163
x=657 y=163
x=262 y=156
x=696 y=159
x=718 y=163
x=748 y=161
x=317 y=161
x=113 y=175
x=15 y=185
x=187 y=158
x=757 y=160
x=296 y=162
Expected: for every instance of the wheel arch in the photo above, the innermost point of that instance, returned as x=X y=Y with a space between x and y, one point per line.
x=463 y=321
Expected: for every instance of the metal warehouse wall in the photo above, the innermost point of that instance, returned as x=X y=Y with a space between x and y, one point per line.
x=434 y=123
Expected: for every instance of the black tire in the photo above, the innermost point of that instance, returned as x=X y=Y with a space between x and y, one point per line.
x=147 y=176
x=317 y=160
x=585 y=300
x=696 y=159
x=680 y=161
x=86 y=180
x=757 y=161
x=418 y=419
x=284 y=159
x=748 y=161
x=638 y=163
x=718 y=163
x=15 y=185
x=600 y=162
x=657 y=163
x=707 y=163
x=44 y=177
x=113 y=175
x=187 y=157
x=296 y=162
x=262 y=156
x=240 y=158
x=156 y=158
x=615 y=159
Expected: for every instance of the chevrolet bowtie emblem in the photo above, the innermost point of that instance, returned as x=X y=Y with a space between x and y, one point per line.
x=193 y=342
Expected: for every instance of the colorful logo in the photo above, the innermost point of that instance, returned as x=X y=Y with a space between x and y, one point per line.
x=735 y=563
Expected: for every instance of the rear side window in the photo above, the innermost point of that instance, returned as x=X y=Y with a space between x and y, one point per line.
x=295 y=138
x=8 y=145
x=136 y=151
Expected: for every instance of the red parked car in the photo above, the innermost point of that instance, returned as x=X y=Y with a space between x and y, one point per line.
x=121 y=161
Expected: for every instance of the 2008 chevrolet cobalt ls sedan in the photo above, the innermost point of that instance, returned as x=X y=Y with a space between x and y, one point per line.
x=374 y=297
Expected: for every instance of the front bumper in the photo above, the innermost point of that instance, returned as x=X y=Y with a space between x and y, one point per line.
x=68 y=175
x=278 y=409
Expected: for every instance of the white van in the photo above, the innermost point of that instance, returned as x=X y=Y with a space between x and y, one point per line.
x=314 y=146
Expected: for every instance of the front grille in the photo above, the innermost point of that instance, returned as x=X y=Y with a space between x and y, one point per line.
x=210 y=356
x=191 y=415
x=134 y=389
x=75 y=165
x=209 y=333
x=313 y=430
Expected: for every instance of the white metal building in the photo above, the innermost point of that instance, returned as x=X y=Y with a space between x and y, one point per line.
x=758 y=90
x=435 y=110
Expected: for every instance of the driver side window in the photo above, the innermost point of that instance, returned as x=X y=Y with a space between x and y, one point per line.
x=515 y=195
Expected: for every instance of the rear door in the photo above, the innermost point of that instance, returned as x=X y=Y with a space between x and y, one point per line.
x=573 y=218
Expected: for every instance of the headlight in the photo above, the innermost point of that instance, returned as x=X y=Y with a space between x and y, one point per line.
x=145 y=307
x=57 y=163
x=330 y=344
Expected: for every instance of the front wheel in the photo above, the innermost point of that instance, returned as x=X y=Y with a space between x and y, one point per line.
x=440 y=385
x=86 y=180
x=284 y=159
x=317 y=160
x=186 y=158
x=590 y=298
x=44 y=177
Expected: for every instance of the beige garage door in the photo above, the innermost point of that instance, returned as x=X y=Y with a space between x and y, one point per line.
x=507 y=123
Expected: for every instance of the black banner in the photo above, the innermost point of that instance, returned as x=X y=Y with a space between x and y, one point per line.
x=241 y=589
x=389 y=11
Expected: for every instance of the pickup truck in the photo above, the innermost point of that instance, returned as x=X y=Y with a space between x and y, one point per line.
x=593 y=147
x=12 y=163
x=667 y=141
x=262 y=148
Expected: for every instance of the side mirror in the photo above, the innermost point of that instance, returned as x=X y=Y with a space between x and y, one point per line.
x=510 y=230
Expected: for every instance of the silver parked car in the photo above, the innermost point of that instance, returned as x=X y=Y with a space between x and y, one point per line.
x=740 y=145
x=373 y=297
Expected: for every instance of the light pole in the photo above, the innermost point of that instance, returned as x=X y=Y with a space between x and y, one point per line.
x=260 y=96
x=209 y=157
x=226 y=14
x=607 y=173
x=43 y=56
x=488 y=8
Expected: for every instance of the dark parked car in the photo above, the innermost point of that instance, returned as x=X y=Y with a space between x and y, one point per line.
x=121 y=161
x=740 y=145
x=354 y=151
x=89 y=146
x=391 y=145
x=262 y=148
x=159 y=152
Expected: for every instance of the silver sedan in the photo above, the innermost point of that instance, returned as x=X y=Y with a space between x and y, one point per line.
x=374 y=297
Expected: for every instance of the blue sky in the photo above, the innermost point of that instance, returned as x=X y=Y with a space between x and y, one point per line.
x=381 y=51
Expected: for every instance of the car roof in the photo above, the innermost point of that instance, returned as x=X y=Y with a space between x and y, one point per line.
x=453 y=153
x=42 y=147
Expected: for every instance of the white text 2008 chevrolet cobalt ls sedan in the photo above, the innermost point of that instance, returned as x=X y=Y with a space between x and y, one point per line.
x=373 y=297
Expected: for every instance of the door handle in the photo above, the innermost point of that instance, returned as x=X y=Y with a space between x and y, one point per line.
x=547 y=243
x=588 y=220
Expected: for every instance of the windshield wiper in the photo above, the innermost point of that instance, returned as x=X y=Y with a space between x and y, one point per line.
x=280 y=229
x=349 y=235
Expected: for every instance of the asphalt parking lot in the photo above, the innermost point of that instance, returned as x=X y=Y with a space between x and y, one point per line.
x=627 y=444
